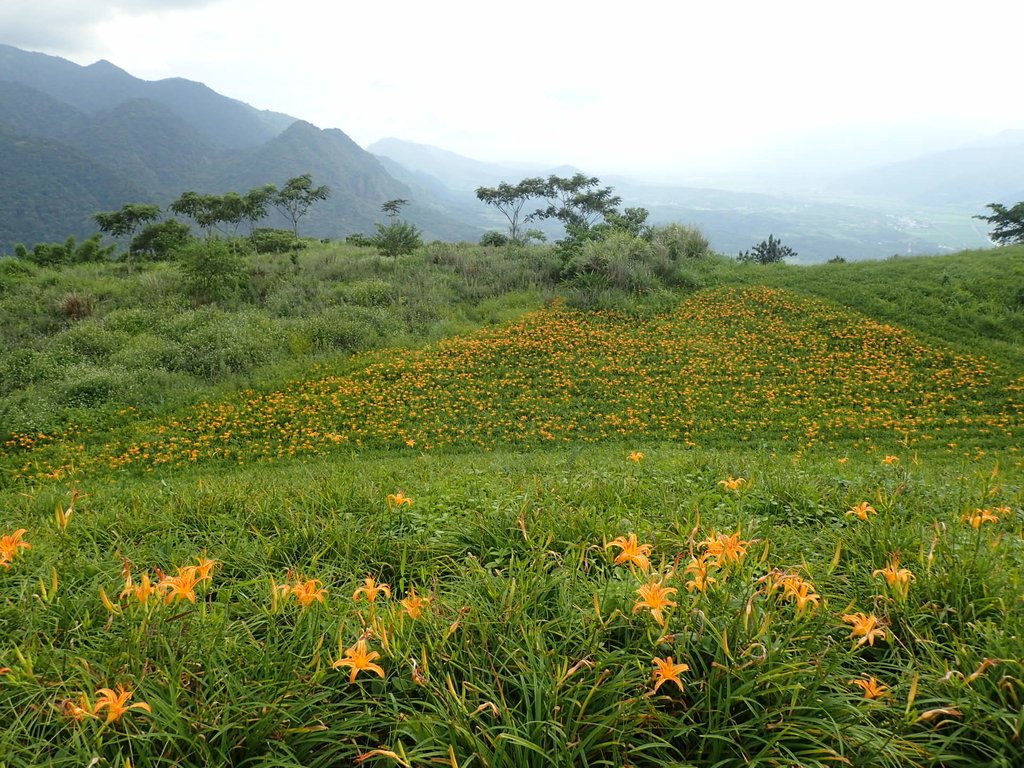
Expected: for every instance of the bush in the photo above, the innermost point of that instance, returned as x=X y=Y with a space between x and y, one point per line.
x=372 y=292
x=494 y=239
x=161 y=240
x=397 y=238
x=770 y=251
x=359 y=240
x=269 y=240
x=677 y=242
x=213 y=270
x=75 y=306
x=618 y=261
x=230 y=344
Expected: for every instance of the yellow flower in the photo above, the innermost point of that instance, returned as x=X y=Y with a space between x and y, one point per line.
x=732 y=483
x=181 y=586
x=666 y=671
x=114 y=703
x=862 y=510
x=655 y=597
x=865 y=626
x=11 y=546
x=980 y=516
x=799 y=591
x=871 y=687
x=632 y=552
x=142 y=592
x=371 y=589
x=635 y=456
x=891 y=460
x=359 y=658
x=725 y=549
x=898 y=578
x=398 y=500
x=698 y=569
x=306 y=592
x=414 y=605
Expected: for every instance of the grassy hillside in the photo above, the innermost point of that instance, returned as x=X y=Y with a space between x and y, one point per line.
x=744 y=518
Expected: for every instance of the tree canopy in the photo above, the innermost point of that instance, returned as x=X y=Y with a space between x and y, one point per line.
x=1009 y=223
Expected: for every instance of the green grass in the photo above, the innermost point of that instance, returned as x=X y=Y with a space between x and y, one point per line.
x=822 y=388
x=531 y=652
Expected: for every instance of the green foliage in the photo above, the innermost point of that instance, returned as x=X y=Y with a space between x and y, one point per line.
x=126 y=220
x=160 y=241
x=510 y=199
x=494 y=239
x=397 y=238
x=1009 y=223
x=68 y=252
x=359 y=240
x=213 y=270
x=679 y=242
x=770 y=251
x=296 y=198
x=268 y=240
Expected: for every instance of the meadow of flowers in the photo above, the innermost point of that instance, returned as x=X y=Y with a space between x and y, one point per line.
x=609 y=607
x=758 y=530
x=758 y=365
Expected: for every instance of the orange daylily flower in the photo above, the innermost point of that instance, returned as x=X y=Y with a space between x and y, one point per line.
x=799 y=591
x=733 y=483
x=11 y=546
x=632 y=552
x=862 y=510
x=725 y=549
x=371 y=589
x=398 y=500
x=980 y=516
x=891 y=460
x=359 y=658
x=871 y=687
x=414 y=605
x=115 y=703
x=865 y=626
x=898 y=578
x=77 y=710
x=665 y=670
x=698 y=569
x=306 y=592
x=141 y=592
x=655 y=597
x=635 y=456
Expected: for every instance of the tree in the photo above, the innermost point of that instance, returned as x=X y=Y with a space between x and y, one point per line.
x=160 y=240
x=510 y=199
x=1009 y=223
x=770 y=251
x=256 y=202
x=204 y=210
x=297 y=197
x=397 y=237
x=578 y=202
x=127 y=220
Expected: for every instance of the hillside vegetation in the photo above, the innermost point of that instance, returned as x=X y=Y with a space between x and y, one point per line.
x=466 y=507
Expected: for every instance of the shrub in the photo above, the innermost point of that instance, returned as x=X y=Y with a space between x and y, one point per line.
x=161 y=240
x=372 y=292
x=75 y=306
x=679 y=242
x=91 y=341
x=229 y=343
x=337 y=329
x=269 y=240
x=86 y=386
x=494 y=239
x=618 y=261
x=770 y=251
x=213 y=270
x=359 y=240
x=397 y=238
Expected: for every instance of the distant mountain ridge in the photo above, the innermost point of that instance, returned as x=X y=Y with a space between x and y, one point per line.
x=76 y=140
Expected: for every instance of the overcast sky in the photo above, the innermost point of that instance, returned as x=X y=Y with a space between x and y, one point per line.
x=625 y=86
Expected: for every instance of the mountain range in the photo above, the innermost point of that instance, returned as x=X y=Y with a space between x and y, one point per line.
x=75 y=140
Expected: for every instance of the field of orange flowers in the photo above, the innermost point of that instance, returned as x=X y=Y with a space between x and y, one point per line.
x=650 y=607
x=757 y=365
